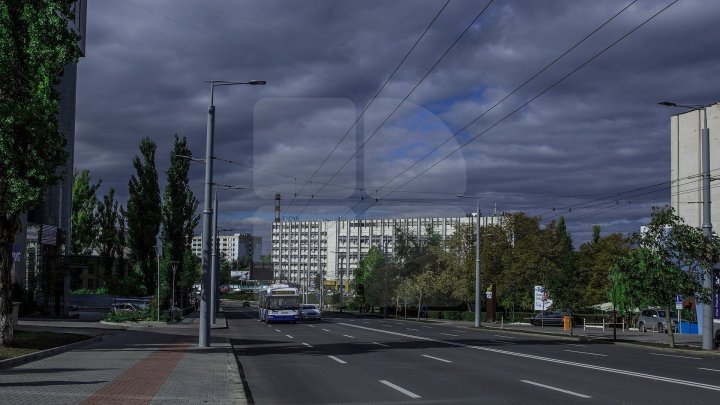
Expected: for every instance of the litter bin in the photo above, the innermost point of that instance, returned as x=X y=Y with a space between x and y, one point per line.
x=566 y=322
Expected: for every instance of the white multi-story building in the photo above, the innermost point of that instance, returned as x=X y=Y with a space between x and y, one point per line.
x=686 y=164
x=301 y=249
x=234 y=247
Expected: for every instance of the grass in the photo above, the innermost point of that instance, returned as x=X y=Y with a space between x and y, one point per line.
x=27 y=342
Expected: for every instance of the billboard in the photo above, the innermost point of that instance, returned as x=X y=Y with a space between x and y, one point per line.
x=542 y=302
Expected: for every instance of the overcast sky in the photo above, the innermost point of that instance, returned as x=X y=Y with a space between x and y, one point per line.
x=583 y=139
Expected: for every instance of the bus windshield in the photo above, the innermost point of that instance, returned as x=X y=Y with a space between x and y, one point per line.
x=277 y=303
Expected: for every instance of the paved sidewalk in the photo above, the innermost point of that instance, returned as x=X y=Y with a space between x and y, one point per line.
x=136 y=365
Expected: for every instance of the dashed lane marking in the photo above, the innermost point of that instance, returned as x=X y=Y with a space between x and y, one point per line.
x=338 y=360
x=437 y=358
x=401 y=389
x=674 y=355
x=588 y=353
x=577 y=394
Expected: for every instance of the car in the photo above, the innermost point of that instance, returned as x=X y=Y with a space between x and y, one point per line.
x=654 y=319
x=310 y=311
x=245 y=304
x=125 y=307
x=548 y=318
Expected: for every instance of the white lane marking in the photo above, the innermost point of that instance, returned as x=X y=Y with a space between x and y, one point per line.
x=574 y=344
x=380 y=344
x=338 y=360
x=307 y=345
x=325 y=330
x=458 y=330
x=502 y=341
x=708 y=369
x=549 y=359
x=556 y=389
x=506 y=337
x=386 y=325
x=416 y=330
x=428 y=327
x=592 y=354
x=277 y=330
x=401 y=389
x=448 y=334
x=312 y=326
x=436 y=358
x=365 y=322
x=290 y=336
x=348 y=336
x=674 y=355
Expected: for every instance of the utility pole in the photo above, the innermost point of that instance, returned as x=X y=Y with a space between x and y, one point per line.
x=385 y=266
x=477 y=269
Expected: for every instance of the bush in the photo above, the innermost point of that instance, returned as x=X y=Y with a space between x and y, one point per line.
x=87 y=291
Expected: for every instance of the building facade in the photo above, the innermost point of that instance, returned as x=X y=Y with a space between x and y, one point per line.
x=686 y=164
x=303 y=250
x=234 y=247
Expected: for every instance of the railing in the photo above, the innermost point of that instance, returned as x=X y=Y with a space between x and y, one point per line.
x=604 y=325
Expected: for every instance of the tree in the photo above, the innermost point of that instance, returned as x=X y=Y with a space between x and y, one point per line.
x=669 y=258
x=35 y=45
x=562 y=282
x=108 y=238
x=84 y=219
x=144 y=212
x=594 y=260
x=179 y=210
x=418 y=287
x=367 y=267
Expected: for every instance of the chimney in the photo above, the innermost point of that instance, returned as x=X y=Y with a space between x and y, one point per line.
x=277 y=207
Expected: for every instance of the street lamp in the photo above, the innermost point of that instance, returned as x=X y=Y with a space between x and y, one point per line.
x=707 y=330
x=204 y=332
x=477 y=263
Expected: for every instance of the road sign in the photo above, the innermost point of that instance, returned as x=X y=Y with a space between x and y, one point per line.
x=678 y=302
x=542 y=302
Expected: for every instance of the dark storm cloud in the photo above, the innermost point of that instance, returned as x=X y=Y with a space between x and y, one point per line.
x=597 y=133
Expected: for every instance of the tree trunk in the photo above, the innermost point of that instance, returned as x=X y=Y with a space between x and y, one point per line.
x=8 y=227
x=668 y=320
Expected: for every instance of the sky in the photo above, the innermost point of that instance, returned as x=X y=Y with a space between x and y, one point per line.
x=378 y=109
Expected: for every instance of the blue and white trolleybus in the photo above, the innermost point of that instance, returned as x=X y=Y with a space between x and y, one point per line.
x=279 y=302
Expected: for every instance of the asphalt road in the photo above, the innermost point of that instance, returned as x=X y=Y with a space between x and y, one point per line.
x=369 y=360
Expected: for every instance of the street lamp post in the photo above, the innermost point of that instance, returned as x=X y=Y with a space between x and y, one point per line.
x=204 y=332
x=214 y=264
x=477 y=264
x=707 y=315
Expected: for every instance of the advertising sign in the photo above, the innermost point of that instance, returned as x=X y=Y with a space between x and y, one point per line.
x=542 y=302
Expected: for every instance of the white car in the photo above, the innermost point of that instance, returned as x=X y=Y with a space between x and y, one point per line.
x=310 y=311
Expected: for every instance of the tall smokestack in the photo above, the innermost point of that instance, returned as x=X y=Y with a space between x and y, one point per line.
x=277 y=207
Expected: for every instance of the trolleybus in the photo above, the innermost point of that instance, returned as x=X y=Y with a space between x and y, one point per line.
x=279 y=302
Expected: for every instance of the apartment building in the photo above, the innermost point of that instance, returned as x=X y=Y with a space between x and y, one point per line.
x=301 y=250
x=234 y=247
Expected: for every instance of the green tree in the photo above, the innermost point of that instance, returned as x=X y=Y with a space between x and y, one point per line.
x=418 y=287
x=179 y=209
x=144 y=212
x=594 y=260
x=84 y=218
x=370 y=265
x=36 y=43
x=669 y=258
x=108 y=238
x=562 y=280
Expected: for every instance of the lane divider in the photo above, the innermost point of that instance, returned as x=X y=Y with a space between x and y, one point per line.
x=577 y=394
x=588 y=353
x=401 y=389
x=437 y=358
x=338 y=360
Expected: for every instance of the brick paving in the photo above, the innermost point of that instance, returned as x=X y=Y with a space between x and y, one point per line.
x=140 y=365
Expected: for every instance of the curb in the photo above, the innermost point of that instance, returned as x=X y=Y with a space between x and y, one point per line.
x=16 y=361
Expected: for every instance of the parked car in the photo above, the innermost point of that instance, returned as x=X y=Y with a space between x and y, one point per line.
x=309 y=311
x=654 y=319
x=125 y=307
x=548 y=318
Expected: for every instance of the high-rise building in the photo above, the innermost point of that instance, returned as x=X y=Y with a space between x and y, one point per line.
x=234 y=247
x=686 y=164
x=303 y=249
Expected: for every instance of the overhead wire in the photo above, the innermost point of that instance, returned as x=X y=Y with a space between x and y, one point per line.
x=367 y=105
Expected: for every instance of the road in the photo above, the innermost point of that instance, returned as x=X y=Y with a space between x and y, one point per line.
x=369 y=360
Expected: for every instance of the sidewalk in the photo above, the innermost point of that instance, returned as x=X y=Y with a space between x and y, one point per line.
x=155 y=364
